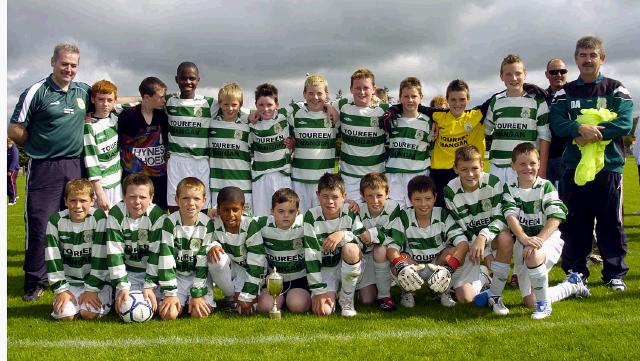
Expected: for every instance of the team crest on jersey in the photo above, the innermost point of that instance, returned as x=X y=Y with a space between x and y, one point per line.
x=197 y=112
x=81 y=104
x=277 y=128
x=243 y=250
x=537 y=204
x=195 y=244
x=297 y=243
x=88 y=236
x=468 y=127
x=601 y=102
x=419 y=134
x=237 y=134
x=486 y=205
x=526 y=113
x=374 y=121
x=143 y=236
x=327 y=122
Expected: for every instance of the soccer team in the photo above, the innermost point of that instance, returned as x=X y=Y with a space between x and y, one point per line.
x=410 y=204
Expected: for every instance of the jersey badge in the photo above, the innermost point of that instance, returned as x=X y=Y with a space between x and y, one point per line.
x=81 y=104
x=374 y=122
x=486 y=205
x=526 y=113
x=143 y=236
x=237 y=134
x=88 y=236
x=197 y=112
x=297 y=243
x=601 y=103
x=419 y=134
x=468 y=127
x=537 y=205
x=277 y=128
x=195 y=244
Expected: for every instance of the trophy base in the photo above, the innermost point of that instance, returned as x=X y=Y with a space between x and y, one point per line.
x=276 y=315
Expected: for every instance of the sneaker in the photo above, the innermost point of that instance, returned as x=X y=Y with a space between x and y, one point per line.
x=581 y=289
x=593 y=259
x=485 y=277
x=33 y=294
x=12 y=203
x=616 y=284
x=386 y=304
x=346 y=304
x=481 y=299
x=495 y=302
x=514 y=281
x=446 y=300
x=543 y=310
x=406 y=300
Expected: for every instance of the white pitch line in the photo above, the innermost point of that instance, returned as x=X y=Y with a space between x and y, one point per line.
x=448 y=330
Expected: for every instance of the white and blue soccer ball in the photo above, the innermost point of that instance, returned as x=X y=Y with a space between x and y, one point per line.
x=135 y=308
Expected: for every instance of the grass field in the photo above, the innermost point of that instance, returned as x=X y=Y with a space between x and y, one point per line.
x=601 y=327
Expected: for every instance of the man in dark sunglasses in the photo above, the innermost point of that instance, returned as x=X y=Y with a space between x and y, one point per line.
x=556 y=73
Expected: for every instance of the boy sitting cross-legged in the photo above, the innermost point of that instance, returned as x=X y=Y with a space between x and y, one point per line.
x=534 y=212
x=180 y=266
x=282 y=234
x=75 y=256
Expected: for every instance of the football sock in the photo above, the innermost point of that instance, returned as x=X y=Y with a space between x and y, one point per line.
x=500 y=273
x=350 y=273
x=383 y=278
x=539 y=278
x=561 y=291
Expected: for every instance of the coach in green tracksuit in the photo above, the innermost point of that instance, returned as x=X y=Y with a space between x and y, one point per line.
x=600 y=199
x=48 y=120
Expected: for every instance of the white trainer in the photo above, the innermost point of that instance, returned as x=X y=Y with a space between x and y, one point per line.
x=543 y=310
x=446 y=300
x=406 y=300
x=495 y=302
x=346 y=304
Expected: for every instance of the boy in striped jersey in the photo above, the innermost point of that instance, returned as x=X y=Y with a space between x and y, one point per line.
x=410 y=143
x=180 y=267
x=515 y=116
x=332 y=240
x=474 y=200
x=377 y=213
x=425 y=235
x=229 y=153
x=237 y=264
x=134 y=229
x=101 y=149
x=533 y=211
x=315 y=141
x=282 y=234
x=362 y=150
x=75 y=256
x=271 y=167
x=189 y=120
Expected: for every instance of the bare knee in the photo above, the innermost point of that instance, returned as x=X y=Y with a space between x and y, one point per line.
x=350 y=253
x=367 y=295
x=380 y=254
x=88 y=315
x=298 y=300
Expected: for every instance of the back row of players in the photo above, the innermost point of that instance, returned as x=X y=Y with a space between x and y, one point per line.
x=337 y=249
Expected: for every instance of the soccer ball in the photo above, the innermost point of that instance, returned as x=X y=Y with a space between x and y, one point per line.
x=135 y=308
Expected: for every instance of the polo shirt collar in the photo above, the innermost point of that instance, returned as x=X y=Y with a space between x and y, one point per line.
x=55 y=86
x=599 y=78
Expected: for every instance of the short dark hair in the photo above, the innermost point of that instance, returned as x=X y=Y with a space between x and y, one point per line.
x=421 y=183
x=284 y=195
x=187 y=64
x=331 y=182
x=458 y=85
x=523 y=148
x=230 y=194
x=266 y=90
x=137 y=179
x=150 y=86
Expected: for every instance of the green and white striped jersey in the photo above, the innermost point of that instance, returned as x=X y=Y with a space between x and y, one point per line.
x=183 y=251
x=229 y=154
x=246 y=249
x=410 y=145
x=131 y=242
x=533 y=206
x=284 y=247
x=424 y=244
x=515 y=120
x=316 y=229
x=362 y=150
x=315 y=151
x=267 y=138
x=478 y=212
x=379 y=227
x=189 y=121
x=72 y=249
x=101 y=151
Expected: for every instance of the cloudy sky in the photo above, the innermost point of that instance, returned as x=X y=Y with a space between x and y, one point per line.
x=251 y=42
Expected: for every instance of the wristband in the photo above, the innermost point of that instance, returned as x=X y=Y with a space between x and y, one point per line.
x=399 y=263
x=451 y=263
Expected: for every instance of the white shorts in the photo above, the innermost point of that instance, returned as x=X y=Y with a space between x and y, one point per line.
x=331 y=277
x=352 y=188
x=468 y=273
x=307 y=194
x=72 y=309
x=398 y=186
x=178 y=168
x=184 y=290
x=506 y=175
x=368 y=275
x=114 y=195
x=136 y=279
x=551 y=248
x=263 y=189
x=248 y=200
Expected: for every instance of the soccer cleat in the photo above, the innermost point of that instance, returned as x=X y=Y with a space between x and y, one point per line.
x=386 y=304
x=346 y=304
x=406 y=300
x=616 y=284
x=543 y=310
x=485 y=278
x=580 y=288
x=481 y=299
x=593 y=259
x=33 y=294
x=446 y=300
x=495 y=302
x=12 y=203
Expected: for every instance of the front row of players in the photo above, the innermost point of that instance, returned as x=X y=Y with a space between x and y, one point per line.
x=170 y=264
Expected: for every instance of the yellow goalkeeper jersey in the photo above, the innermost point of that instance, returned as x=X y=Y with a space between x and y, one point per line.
x=454 y=132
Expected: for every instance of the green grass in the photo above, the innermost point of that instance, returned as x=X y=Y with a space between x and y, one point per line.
x=601 y=327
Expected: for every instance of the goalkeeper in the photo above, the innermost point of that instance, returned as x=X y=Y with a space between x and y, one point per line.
x=427 y=244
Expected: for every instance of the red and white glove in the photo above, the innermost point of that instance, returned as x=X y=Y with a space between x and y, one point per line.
x=408 y=277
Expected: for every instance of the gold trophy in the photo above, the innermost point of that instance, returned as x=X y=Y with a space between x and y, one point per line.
x=274 y=288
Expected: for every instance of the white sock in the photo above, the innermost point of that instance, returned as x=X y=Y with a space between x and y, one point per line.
x=561 y=291
x=349 y=275
x=500 y=273
x=539 y=278
x=383 y=278
x=477 y=286
x=221 y=275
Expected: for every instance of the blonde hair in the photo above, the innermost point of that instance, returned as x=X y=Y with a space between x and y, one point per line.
x=231 y=91
x=314 y=80
x=439 y=101
x=78 y=185
x=512 y=59
x=374 y=180
x=467 y=153
x=363 y=73
x=193 y=183
x=411 y=82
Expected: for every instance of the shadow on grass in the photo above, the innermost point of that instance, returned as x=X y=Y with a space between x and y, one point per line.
x=30 y=311
x=15 y=286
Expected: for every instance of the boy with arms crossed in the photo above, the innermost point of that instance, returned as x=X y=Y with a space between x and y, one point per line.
x=533 y=212
x=134 y=230
x=75 y=257
x=332 y=237
x=236 y=264
x=282 y=234
x=180 y=267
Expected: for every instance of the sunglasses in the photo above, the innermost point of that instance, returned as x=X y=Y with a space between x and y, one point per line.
x=557 y=71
